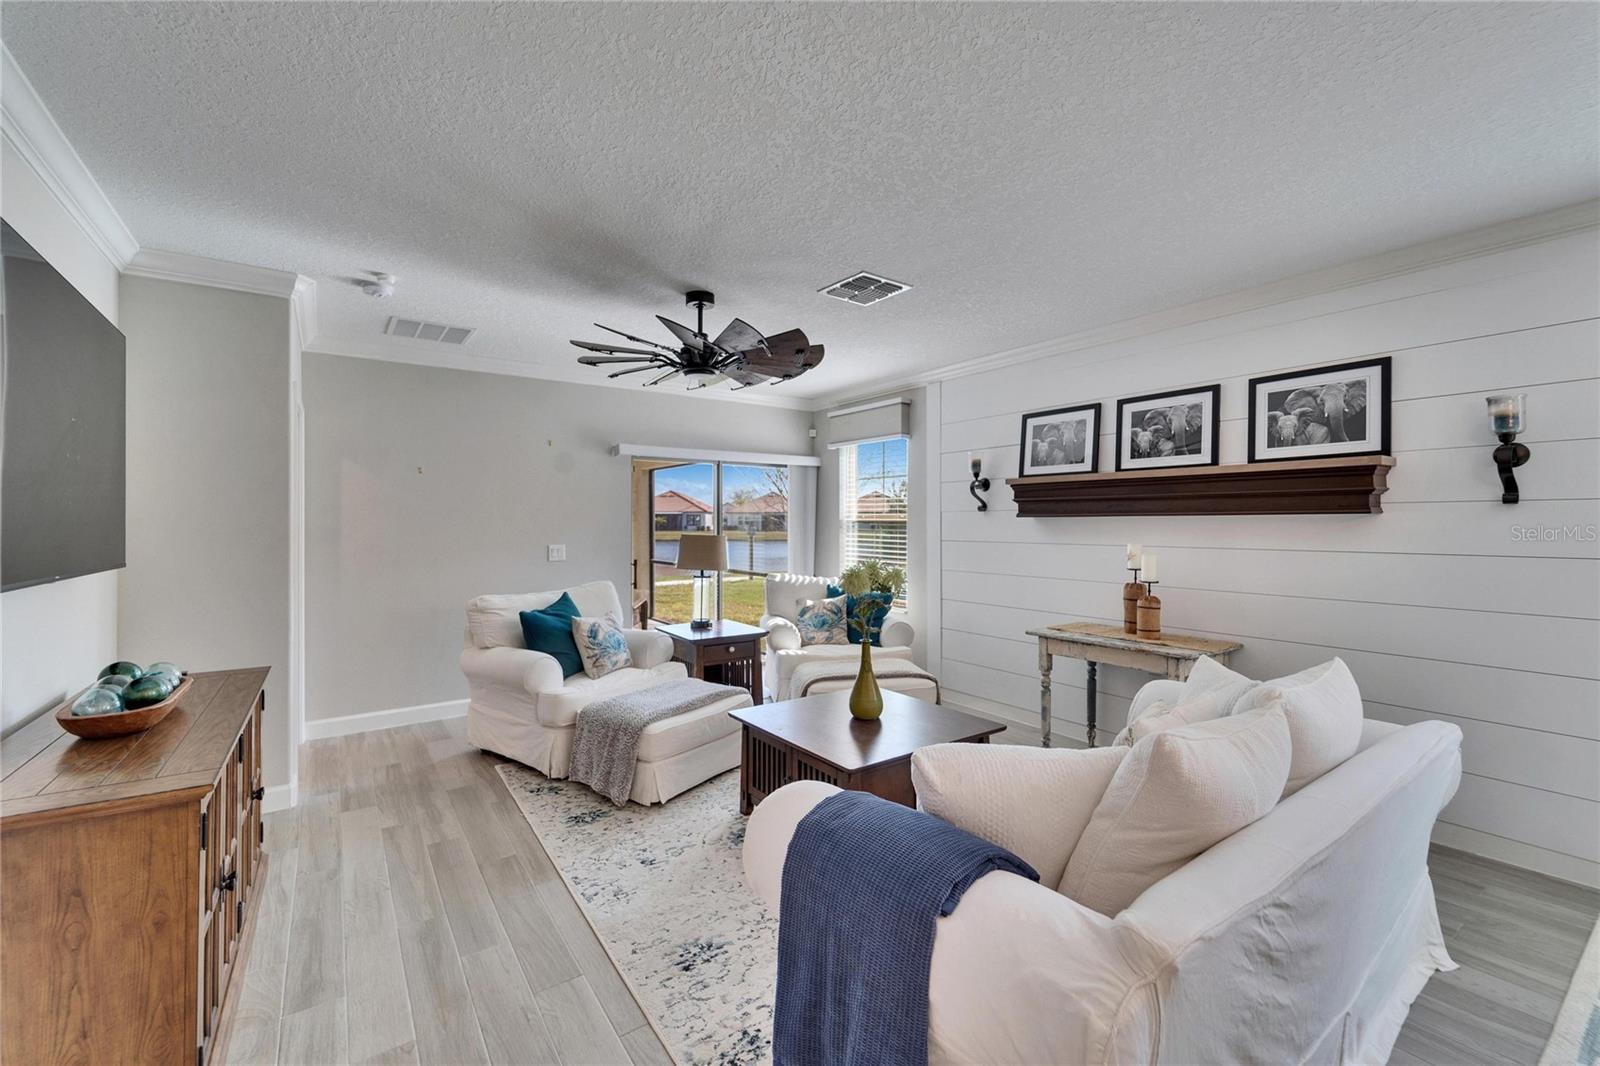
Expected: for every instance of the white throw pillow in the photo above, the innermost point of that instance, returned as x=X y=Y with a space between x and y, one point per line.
x=823 y=622
x=1178 y=792
x=1207 y=677
x=1192 y=710
x=1034 y=801
x=1323 y=708
x=601 y=645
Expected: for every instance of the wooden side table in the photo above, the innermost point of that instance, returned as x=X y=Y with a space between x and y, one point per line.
x=729 y=652
x=1170 y=656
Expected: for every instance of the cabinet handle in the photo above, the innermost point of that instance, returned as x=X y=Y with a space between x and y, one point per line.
x=228 y=882
x=258 y=792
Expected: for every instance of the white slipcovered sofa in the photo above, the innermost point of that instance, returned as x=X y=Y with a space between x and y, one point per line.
x=785 y=594
x=1301 y=938
x=523 y=708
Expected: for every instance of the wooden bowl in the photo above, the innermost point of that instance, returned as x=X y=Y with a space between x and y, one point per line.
x=99 y=726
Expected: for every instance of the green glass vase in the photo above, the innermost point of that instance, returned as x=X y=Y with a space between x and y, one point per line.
x=866 y=701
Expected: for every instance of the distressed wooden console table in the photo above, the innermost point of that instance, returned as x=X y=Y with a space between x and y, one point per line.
x=1169 y=656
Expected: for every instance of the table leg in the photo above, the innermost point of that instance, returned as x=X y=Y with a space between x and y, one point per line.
x=756 y=685
x=1093 y=671
x=1044 y=695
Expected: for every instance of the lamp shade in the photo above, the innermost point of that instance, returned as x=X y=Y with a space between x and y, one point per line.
x=702 y=551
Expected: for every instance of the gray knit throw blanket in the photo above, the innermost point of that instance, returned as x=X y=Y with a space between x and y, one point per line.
x=605 y=741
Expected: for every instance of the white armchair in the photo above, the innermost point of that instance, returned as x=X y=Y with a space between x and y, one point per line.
x=785 y=594
x=1303 y=937
x=522 y=707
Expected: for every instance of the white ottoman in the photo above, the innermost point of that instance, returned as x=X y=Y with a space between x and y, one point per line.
x=893 y=673
x=677 y=753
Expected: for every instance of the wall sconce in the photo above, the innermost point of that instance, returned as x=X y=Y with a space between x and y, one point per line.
x=978 y=481
x=1506 y=416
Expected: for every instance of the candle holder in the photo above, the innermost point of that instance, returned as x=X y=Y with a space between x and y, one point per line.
x=1130 y=601
x=1505 y=418
x=1147 y=621
x=978 y=482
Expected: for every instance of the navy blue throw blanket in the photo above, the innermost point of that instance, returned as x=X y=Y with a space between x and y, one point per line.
x=864 y=885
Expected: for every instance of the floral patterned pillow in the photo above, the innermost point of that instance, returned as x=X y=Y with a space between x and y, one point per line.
x=601 y=645
x=823 y=622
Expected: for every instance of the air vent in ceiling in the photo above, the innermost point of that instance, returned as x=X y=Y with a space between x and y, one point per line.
x=864 y=288
x=426 y=331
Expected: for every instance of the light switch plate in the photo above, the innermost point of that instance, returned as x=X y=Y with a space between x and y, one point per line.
x=557 y=553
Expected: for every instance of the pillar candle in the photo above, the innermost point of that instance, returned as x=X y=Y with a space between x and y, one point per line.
x=1135 y=552
x=1148 y=571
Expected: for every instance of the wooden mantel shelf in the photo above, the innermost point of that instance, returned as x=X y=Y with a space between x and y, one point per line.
x=1310 y=486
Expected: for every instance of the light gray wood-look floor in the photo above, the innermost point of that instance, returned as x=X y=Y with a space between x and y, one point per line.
x=410 y=915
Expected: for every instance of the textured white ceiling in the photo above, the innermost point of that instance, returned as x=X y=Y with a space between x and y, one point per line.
x=1032 y=169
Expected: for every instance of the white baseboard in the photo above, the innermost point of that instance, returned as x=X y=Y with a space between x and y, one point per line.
x=279 y=798
x=320 y=728
x=1516 y=853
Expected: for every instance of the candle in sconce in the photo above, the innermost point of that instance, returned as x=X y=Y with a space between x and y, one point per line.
x=1148 y=572
x=1135 y=556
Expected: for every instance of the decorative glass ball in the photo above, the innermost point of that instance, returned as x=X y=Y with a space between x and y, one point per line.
x=163 y=667
x=98 y=700
x=115 y=681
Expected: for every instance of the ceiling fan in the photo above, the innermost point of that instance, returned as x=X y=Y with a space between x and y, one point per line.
x=739 y=353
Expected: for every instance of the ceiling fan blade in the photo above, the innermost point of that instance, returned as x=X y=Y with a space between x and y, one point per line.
x=744 y=375
x=688 y=336
x=601 y=360
x=663 y=377
x=612 y=348
x=637 y=340
x=634 y=370
x=738 y=336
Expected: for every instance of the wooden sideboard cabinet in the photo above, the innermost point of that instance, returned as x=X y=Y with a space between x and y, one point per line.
x=128 y=870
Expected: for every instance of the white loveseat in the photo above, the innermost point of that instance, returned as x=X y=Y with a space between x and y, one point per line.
x=785 y=594
x=1301 y=938
x=523 y=708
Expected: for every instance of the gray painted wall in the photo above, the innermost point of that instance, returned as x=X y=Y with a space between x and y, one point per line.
x=207 y=580
x=426 y=487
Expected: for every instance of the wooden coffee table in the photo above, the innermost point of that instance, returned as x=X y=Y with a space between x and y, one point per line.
x=817 y=739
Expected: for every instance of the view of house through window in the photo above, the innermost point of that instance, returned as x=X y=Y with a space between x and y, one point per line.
x=873 y=483
x=748 y=503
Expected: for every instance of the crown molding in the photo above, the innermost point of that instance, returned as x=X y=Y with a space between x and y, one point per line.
x=303 y=311
x=1515 y=233
x=26 y=124
x=217 y=273
x=422 y=353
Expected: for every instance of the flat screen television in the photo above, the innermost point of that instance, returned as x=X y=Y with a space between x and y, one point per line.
x=63 y=470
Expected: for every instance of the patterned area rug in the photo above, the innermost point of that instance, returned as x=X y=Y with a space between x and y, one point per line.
x=664 y=889
x=1576 y=1038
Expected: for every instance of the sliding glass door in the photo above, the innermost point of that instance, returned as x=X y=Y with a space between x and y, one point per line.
x=749 y=504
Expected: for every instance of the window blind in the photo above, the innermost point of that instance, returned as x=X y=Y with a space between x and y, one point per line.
x=873 y=505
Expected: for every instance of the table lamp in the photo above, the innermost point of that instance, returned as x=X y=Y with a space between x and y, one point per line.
x=704 y=554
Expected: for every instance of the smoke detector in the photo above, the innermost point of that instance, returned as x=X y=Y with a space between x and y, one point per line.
x=380 y=286
x=863 y=288
x=426 y=331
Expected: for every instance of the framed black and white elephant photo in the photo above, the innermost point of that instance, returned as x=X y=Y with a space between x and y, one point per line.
x=1321 y=413
x=1168 y=429
x=1063 y=441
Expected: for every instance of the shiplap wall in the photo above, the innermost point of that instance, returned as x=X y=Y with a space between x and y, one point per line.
x=1441 y=608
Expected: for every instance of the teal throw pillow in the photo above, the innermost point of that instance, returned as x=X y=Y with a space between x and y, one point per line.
x=549 y=630
x=874 y=621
